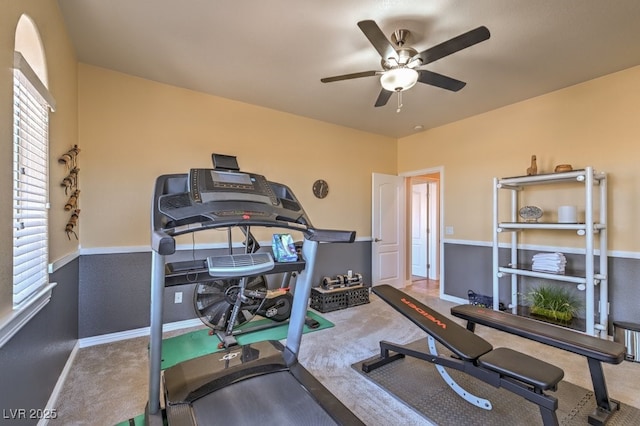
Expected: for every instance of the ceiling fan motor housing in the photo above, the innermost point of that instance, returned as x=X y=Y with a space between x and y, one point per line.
x=405 y=56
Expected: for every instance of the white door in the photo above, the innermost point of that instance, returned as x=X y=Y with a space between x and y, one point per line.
x=387 y=223
x=419 y=230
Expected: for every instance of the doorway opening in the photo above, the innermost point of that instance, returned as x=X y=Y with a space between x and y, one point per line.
x=423 y=207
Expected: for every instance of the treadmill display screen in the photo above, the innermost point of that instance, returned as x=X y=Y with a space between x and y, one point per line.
x=231 y=178
x=206 y=185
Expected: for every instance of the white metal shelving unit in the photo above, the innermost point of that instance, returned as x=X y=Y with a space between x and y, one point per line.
x=593 y=230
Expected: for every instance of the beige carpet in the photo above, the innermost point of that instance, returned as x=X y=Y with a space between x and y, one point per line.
x=108 y=383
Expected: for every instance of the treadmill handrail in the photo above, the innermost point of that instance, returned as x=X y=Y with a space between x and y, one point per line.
x=162 y=243
x=331 y=235
x=211 y=224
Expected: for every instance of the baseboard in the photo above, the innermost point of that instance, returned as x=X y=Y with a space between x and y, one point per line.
x=454 y=299
x=53 y=399
x=138 y=332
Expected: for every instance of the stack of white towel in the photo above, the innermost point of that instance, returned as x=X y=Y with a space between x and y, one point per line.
x=549 y=262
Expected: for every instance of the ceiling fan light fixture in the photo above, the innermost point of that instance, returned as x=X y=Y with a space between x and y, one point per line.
x=399 y=79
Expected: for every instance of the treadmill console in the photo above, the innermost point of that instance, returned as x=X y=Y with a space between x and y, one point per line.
x=206 y=185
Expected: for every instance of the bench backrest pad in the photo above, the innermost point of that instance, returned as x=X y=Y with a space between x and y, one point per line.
x=450 y=334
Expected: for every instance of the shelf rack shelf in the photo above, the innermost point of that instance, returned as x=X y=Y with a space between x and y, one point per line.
x=593 y=230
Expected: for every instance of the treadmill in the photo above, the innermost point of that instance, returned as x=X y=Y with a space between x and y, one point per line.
x=261 y=383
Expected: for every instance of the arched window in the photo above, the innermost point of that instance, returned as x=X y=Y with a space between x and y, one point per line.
x=31 y=104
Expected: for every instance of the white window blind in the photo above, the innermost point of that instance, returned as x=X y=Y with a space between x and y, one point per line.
x=31 y=103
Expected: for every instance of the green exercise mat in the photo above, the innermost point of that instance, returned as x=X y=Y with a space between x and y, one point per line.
x=198 y=343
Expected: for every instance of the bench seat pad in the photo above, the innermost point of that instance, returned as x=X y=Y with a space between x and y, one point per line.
x=522 y=367
x=592 y=347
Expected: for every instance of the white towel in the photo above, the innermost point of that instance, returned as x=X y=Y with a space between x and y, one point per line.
x=549 y=262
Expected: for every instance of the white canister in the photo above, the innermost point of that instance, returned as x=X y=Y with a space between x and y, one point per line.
x=567 y=214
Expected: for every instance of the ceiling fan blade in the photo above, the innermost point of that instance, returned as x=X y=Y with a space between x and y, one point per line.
x=454 y=45
x=377 y=38
x=439 y=80
x=383 y=97
x=349 y=76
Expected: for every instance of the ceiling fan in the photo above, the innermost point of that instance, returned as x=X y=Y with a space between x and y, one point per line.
x=400 y=63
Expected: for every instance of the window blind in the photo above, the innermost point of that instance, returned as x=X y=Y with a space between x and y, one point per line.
x=31 y=103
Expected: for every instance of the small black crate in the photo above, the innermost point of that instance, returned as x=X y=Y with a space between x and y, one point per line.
x=328 y=300
x=357 y=296
x=331 y=300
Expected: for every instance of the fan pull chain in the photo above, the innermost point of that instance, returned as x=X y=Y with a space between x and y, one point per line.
x=399 y=101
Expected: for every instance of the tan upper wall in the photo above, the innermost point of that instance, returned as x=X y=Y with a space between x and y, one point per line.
x=590 y=124
x=61 y=66
x=132 y=130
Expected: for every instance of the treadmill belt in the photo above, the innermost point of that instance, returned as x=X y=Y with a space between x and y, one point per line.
x=275 y=399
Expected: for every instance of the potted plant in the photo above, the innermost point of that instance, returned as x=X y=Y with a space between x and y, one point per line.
x=554 y=302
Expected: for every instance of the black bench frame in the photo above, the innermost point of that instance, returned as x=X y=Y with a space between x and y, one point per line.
x=596 y=350
x=520 y=374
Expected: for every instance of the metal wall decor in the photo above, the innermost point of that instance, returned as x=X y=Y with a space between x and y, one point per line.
x=70 y=183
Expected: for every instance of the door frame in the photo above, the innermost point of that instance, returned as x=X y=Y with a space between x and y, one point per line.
x=432 y=170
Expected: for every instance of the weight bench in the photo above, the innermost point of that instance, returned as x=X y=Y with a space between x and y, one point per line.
x=594 y=349
x=501 y=368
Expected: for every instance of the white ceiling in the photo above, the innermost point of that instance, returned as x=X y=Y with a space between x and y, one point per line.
x=273 y=53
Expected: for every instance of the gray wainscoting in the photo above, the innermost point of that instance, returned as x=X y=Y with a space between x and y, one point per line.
x=33 y=359
x=114 y=288
x=469 y=267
